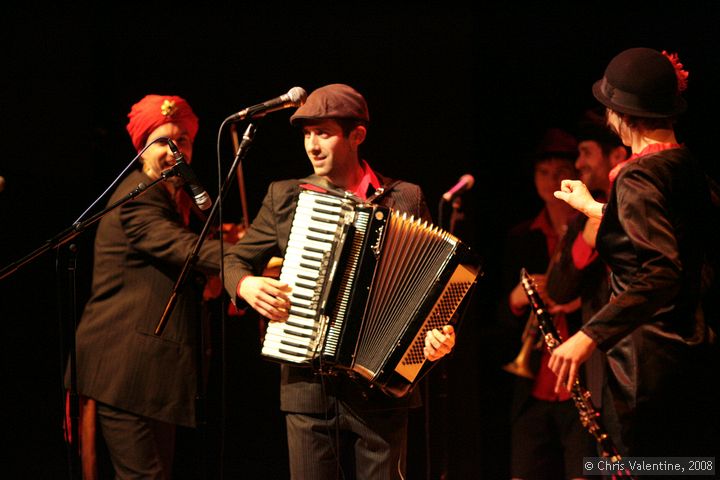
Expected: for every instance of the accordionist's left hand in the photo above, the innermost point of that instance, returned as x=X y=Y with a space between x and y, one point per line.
x=439 y=343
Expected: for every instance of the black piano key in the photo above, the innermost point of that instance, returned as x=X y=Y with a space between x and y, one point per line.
x=320 y=230
x=318 y=239
x=314 y=250
x=324 y=220
x=320 y=201
x=293 y=344
x=326 y=212
x=306 y=277
x=311 y=257
x=301 y=297
x=305 y=285
x=300 y=314
x=290 y=352
x=297 y=334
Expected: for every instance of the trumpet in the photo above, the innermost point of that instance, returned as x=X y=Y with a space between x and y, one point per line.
x=531 y=336
x=531 y=340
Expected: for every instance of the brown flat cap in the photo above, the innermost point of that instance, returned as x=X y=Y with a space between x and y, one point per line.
x=333 y=101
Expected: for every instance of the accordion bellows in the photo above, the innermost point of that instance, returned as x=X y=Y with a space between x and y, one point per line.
x=367 y=284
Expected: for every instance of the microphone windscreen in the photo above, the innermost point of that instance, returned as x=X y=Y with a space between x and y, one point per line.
x=468 y=179
x=297 y=96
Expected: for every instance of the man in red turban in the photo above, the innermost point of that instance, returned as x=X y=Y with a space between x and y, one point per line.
x=144 y=385
x=154 y=111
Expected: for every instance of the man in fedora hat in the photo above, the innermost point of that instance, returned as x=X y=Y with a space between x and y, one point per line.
x=657 y=229
x=329 y=418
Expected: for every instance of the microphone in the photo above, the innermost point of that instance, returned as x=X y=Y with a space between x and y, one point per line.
x=464 y=184
x=293 y=98
x=201 y=197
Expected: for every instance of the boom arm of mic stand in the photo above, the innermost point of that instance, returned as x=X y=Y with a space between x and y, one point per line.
x=73 y=231
x=192 y=258
x=240 y=179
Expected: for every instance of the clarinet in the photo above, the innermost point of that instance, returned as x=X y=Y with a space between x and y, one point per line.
x=589 y=416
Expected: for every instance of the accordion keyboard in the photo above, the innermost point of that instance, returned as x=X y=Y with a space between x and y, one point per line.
x=318 y=221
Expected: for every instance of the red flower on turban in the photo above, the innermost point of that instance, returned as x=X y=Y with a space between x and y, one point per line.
x=156 y=110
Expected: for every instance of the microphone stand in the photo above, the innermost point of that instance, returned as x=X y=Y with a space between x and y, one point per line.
x=457 y=215
x=440 y=373
x=80 y=226
x=241 y=180
x=73 y=231
x=192 y=258
x=75 y=469
x=56 y=242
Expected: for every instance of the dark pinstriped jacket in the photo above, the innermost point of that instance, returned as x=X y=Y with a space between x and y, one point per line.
x=140 y=249
x=301 y=391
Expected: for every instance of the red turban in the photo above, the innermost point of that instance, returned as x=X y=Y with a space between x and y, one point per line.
x=155 y=110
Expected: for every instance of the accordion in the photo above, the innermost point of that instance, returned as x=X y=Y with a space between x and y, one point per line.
x=367 y=284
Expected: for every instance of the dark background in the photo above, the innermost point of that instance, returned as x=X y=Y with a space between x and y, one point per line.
x=451 y=90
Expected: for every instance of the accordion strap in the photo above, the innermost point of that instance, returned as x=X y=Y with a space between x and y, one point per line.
x=316 y=183
x=381 y=191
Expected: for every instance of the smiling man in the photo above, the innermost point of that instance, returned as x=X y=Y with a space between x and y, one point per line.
x=324 y=413
x=144 y=385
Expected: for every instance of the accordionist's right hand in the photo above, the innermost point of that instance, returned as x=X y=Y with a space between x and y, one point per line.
x=269 y=297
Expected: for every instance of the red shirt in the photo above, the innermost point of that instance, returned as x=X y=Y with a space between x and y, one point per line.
x=582 y=253
x=368 y=183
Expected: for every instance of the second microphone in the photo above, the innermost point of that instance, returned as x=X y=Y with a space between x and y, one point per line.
x=183 y=170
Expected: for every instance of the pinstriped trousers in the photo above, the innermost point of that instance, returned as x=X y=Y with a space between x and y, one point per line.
x=347 y=445
x=140 y=448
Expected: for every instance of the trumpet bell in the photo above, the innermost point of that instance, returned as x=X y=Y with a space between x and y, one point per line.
x=521 y=365
x=521 y=370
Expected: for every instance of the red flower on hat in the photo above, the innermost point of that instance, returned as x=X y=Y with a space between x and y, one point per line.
x=682 y=75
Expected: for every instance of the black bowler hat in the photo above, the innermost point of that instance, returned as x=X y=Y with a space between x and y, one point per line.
x=641 y=82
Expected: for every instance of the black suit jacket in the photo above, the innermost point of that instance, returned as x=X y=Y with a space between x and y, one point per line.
x=140 y=249
x=302 y=391
x=654 y=237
